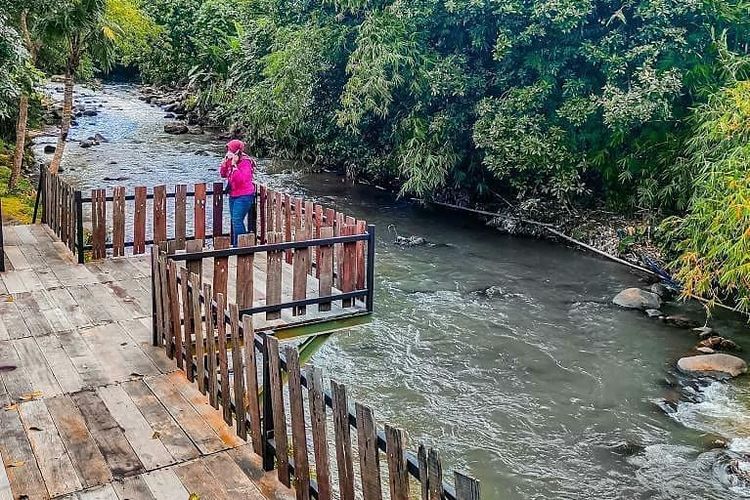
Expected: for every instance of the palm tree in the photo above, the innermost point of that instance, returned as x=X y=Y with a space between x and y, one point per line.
x=82 y=28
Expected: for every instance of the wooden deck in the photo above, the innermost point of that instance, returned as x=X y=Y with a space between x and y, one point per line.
x=88 y=407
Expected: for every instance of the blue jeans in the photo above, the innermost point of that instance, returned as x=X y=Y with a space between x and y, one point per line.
x=241 y=208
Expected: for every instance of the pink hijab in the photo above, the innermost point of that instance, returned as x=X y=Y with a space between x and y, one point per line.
x=236 y=146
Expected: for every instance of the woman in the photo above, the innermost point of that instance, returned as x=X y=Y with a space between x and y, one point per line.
x=238 y=169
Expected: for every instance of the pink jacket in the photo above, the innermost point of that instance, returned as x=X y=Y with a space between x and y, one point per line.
x=240 y=177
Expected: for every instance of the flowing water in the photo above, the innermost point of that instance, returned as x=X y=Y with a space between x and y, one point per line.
x=503 y=353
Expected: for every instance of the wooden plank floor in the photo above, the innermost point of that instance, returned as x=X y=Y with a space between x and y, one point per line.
x=88 y=408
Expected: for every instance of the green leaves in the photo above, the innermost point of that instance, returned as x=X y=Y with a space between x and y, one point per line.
x=713 y=239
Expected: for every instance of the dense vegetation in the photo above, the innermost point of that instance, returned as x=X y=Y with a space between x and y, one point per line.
x=641 y=104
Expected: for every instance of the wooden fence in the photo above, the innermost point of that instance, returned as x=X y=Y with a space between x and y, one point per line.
x=353 y=253
x=242 y=373
x=134 y=225
x=59 y=208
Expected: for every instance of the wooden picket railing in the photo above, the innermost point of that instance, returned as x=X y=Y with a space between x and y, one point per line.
x=134 y=225
x=355 y=282
x=59 y=208
x=242 y=373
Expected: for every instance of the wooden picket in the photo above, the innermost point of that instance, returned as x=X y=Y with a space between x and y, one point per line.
x=306 y=408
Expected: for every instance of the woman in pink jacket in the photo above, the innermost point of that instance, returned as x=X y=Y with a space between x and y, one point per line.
x=238 y=169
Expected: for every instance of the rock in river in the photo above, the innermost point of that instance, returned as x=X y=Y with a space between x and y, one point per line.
x=175 y=128
x=49 y=149
x=681 y=321
x=635 y=298
x=659 y=290
x=709 y=364
x=653 y=313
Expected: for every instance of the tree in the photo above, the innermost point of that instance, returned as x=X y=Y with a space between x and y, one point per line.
x=12 y=67
x=83 y=29
x=32 y=47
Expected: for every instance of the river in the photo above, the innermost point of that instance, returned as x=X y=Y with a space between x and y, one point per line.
x=537 y=386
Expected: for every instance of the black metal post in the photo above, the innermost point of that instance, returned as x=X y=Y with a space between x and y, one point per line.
x=154 y=277
x=268 y=453
x=2 y=240
x=79 y=226
x=39 y=188
x=371 y=268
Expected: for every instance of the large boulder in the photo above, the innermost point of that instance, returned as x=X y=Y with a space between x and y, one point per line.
x=712 y=364
x=175 y=128
x=635 y=298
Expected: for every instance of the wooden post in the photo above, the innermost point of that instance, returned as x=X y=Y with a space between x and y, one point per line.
x=166 y=311
x=319 y=435
x=195 y=266
x=98 y=223
x=200 y=355
x=467 y=488
x=221 y=266
x=118 y=221
x=288 y=225
x=187 y=315
x=318 y=226
x=213 y=389
x=279 y=413
x=435 y=473
x=239 y=371
x=180 y=215
x=245 y=267
x=199 y=212
x=309 y=231
x=299 y=276
x=139 y=221
x=278 y=215
x=299 y=437
x=369 y=455
x=251 y=383
x=348 y=265
x=160 y=214
x=398 y=475
x=424 y=479
x=273 y=278
x=156 y=295
x=343 y=440
x=221 y=333
x=174 y=308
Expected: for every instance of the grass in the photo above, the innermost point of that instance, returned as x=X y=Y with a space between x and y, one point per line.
x=18 y=205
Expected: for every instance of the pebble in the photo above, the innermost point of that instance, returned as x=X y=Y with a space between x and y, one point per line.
x=653 y=313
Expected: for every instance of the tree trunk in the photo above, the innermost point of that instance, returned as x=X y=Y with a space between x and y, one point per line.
x=23 y=111
x=23 y=115
x=54 y=166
